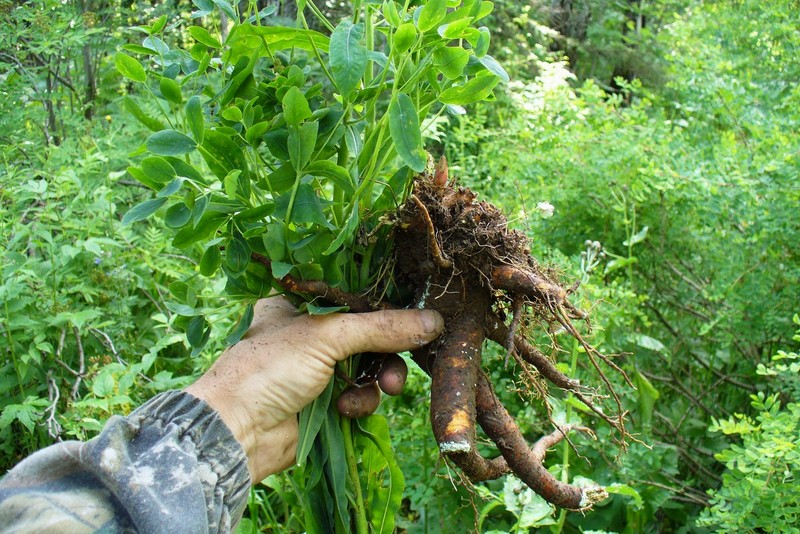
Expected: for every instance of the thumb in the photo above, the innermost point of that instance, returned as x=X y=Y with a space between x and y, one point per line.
x=381 y=331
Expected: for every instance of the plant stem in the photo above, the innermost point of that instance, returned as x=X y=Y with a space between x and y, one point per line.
x=352 y=468
x=562 y=516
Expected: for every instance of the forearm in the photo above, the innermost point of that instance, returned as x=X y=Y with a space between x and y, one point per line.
x=170 y=466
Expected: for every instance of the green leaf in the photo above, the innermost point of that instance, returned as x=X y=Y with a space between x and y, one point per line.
x=451 y=61
x=384 y=493
x=242 y=326
x=482 y=45
x=184 y=293
x=199 y=209
x=233 y=114
x=337 y=174
x=103 y=385
x=170 y=90
x=307 y=207
x=301 y=144
x=475 y=90
x=194 y=117
x=142 y=177
x=156 y=44
x=314 y=309
x=648 y=395
x=624 y=489
x=170 y=143
x=177 y=215
x=183 y=310
x=405 y=132
x=201 y=35
x=638 y=237
x=158 y=170
x=211 y=260
x=281 y=178
x=195 y=330
x=431 y=13
x=455 y=29
x=206 y=227
x=312 y=418
x=231 y=183
x=133 y=108
x=143 y=210
x=295 y=107
x=171 y=188
x=391 y=14
x=336 y=466
x=226 y=8
x=280 y=269
x=129 y=67
x=256 y=213
x=404 y=37
x=158 y=24
x=494 y=67
x=346 y=233
x=250 y=40
x=222 y=154
x=237 y=255
x=348 y=56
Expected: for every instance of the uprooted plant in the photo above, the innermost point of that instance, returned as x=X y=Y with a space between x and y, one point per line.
x=304 y=171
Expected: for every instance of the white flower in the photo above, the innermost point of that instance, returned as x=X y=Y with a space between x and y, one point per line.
x=546 y=208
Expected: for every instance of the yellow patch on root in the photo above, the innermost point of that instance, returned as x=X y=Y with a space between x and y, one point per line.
x=458 y=424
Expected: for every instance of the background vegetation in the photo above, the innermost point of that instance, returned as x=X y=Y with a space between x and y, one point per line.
x=662 y=133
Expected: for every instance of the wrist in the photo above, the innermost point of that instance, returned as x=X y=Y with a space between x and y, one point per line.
x=269 y=448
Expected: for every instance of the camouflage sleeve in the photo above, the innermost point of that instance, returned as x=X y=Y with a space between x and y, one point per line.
x=170 y=466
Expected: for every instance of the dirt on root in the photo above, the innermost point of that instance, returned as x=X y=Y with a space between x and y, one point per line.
x=449 y=244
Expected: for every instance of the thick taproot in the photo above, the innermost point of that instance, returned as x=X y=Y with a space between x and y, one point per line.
x=453 y=373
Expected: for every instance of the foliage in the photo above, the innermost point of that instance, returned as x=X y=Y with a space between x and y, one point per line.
x=85 y=328
x=277 y=151
x=672 y=189
x=759 y=489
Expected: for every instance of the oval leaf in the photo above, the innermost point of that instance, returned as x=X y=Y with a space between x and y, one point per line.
x=210 y=261
x=170 y=90
x=348 y=56
x=194 y=116
x=431 y=14
x=170 y=143
x=129 y=67
x=404 y=129
x=201 y=35
x=473 y=91
x=143 y=210
x=177 y=215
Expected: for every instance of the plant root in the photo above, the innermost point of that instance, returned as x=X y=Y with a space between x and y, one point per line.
x=527 y=463
x=456 y=255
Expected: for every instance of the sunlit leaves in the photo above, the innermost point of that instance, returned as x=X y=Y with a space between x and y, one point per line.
x=129 y=67
x=474 y=90
x=431 y=13
x=201 y=35
x=451 y=61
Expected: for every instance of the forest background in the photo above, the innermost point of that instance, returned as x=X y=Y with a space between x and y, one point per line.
x=663 y=134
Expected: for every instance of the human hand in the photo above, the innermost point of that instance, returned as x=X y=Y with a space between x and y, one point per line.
x=286 y=360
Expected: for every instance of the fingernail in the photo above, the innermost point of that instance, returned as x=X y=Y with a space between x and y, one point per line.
x=431 y=321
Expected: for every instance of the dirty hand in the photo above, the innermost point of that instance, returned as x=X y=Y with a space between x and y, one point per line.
x=286 y=360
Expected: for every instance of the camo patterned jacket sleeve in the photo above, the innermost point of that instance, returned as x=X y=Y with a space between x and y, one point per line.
x=170 y=466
